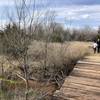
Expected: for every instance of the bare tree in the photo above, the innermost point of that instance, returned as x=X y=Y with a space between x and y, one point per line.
x=19 y=34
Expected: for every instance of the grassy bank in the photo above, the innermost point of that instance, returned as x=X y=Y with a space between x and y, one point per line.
x=49 y=65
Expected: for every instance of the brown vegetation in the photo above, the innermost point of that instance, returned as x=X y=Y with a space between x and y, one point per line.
x=61 y=59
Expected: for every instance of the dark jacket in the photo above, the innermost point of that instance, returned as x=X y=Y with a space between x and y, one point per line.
x=98 y=43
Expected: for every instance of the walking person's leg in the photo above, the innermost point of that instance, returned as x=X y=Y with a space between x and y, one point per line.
x=94 y=50
x=98 y=49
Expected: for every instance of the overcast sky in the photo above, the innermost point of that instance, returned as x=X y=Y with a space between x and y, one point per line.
x=76 y=13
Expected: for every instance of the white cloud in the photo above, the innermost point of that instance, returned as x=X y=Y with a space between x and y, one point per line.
x=79 y=12
x=72 y=12
x=6 y=2
x=12 y=2
x=85 y=16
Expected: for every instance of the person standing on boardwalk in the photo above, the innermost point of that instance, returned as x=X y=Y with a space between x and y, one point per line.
x=94 y=47
x=98 y=45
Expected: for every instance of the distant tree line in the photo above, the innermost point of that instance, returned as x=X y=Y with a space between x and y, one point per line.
x=54 y=32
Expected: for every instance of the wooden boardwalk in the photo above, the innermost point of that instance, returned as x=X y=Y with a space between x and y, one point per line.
x=84 y=81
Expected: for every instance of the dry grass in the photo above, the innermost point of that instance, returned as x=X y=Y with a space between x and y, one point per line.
x=60 y=60
x=59 y=56
x=58 y=53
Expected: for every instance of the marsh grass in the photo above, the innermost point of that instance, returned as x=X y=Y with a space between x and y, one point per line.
x=60 y=61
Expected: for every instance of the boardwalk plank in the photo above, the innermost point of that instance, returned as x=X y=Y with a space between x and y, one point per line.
x=84 y=82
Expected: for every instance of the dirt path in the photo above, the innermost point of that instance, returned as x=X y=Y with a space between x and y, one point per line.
x=84 y=81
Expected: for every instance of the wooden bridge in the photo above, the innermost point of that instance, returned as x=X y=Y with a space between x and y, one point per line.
x=84 y=81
